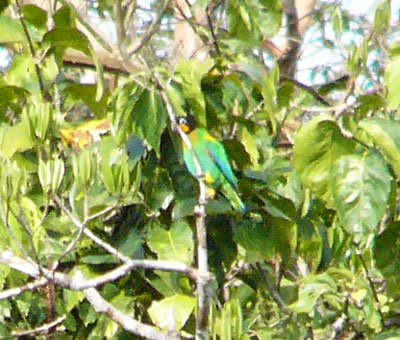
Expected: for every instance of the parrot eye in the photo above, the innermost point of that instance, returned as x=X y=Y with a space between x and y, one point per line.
x=181 y=120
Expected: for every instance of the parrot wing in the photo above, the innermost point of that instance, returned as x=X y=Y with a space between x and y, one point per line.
x=217 y=153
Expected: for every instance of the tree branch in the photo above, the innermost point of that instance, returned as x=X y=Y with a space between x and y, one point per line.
x=203 y=286
x=131 y=325
x=78 y=282
x=6 y=294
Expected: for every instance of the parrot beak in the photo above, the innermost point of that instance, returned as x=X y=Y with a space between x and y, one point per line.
x=185 y=128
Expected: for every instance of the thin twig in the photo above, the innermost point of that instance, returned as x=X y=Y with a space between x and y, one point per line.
x=102 y=212
x=151 y=30
x=31 y=50
x=309 y=89
x=4 y=214
x=88 y=233
x=44 y=329
x=23 y=221
x=192 y=24
x=272 y=289
x=371 y=284
x=214 y=36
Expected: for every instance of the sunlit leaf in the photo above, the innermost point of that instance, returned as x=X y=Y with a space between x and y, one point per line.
x=15 y=138
x=172 y=312
x=318 y=145
x=385 y=134
x=175 y=244
x=360 y=187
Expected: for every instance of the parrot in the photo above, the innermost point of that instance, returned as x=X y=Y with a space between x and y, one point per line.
x=214 y=163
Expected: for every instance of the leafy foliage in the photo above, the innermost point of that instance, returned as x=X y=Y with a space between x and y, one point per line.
x=92 y=174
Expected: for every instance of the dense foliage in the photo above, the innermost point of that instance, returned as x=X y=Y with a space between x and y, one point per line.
x=92 y=175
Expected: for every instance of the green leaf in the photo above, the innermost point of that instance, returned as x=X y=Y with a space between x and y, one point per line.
x=312 y=287
x=176 y=97
x=22 y=72
x=389 y=335
x=392 y=79
x=11 y=30
x=15 y=138
x=382 y=16
x=310 y=243
x=3 y=5
x=9 y=97
x=360 y=186
x=230 y=325
x=72 y=299
x=35 y=15
x=249 y=144
x=87 y=313
x=149 y=119
x=68 y=38
x=256 y=240
x=130 y=244
x=385 y=134
x=252 y=21
x=386 y=250
x=63 y=18
x=318 y=145
x=175 y=244
x=172 y=312
x=191 y=72
x=166 y=283
x=159 y=191
x=87 y=94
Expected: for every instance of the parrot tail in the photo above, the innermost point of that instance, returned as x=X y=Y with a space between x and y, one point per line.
x=233 y=198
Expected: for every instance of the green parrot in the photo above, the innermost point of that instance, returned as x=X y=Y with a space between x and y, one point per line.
x=214 y=163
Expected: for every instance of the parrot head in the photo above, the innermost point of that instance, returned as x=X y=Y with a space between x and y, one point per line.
x=187 y=124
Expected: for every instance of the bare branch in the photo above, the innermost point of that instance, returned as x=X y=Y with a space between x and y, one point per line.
x=102 y=306
x=6 y=294
x=44 y=329
x=203 y=286
x=102 y=212
x=214 y=36
x=77 y=282
x=309 y=89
